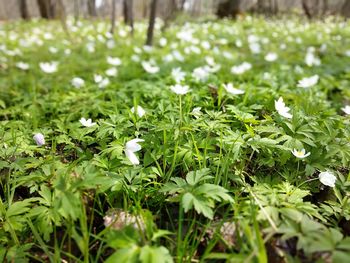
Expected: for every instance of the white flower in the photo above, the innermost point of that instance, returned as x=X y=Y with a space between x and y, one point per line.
x=39 y=139
x=178 y=75
x=212 y=69
x=270 y=57
x=23 y=66
x=103 y=83
x=267 y=75
x=252 y=38
x=205 y=45
x=48 y=36
x=323 y=48
x=137 y=50
x=112 y=72
x=255 y=48
x=123 y=33
x=210 y=61
x=200 y=74
x=90 y=47
x=196 y=112
x=308 y=82
x=150 y=67
x=87 y=122
x=147 y=48
x=135 y=58
x=163 y=42
x=110 y=44
x=140 y=111
x=168 y=58
x=130 y=148
x=240 y=69
x=281 y=108
x=346 y=109
x=179 y=89
x=114 y=61
x=178 y=56
x=53 y=50
x=227 y=54
x=232 y=90
x=185 y=35
x=300 y=154
x=98 y=78
x=48 y=67
x=238 y=43
x=327 y=178
x=78 y=82
x=312 y=60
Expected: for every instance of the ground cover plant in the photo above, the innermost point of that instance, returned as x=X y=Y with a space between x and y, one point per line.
x=225 y=141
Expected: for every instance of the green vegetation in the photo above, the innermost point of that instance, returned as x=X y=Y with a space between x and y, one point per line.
x=242 y=146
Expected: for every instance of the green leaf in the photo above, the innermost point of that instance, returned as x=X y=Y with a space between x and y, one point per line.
x=340 y=256
x=203 y=207
x=127 y=255
x=187 y=201
x=160 y=233
x=215 y=192
x=18 y=208
x=155 y=255
x=194 y=177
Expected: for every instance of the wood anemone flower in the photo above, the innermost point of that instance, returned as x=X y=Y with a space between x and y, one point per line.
x=300 y=154
x=131 y=147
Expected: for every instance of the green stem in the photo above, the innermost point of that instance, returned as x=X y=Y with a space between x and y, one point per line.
x=85 y=231
x=179 y=235
x=298 y=168
x=164 y=150
x=205 y=149
x=173 y=163
x=180 y=101
x=310 y=180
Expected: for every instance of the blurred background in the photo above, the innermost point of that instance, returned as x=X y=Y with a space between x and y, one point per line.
x=139 y=9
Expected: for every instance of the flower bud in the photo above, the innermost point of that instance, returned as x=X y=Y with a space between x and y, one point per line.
x=39 y=139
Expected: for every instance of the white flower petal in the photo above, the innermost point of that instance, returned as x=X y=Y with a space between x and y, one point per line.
x=327 y=178
x=133 y=145
x=132 y=157
x=39 y=139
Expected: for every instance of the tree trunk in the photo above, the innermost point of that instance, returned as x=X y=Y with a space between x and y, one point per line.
x=270 y=9
x=325 y=7
x=171 y=14
x=182 y=6
x=43 y=9
x=306 y=9
x=152 y=19
x=131 y=15
x=346 y=9
x=228 y=8
x=260 y=6
x=128 y=13
x=61 y=12
x=91 y=4
x=23 y=9
x=76 y=11
x=196 y=8
x=275 y=9
x=46 y=8
x=114 y=3
x=125 y=12
x=144 y=8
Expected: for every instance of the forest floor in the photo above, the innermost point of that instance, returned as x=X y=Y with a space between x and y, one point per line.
x=225 y=141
